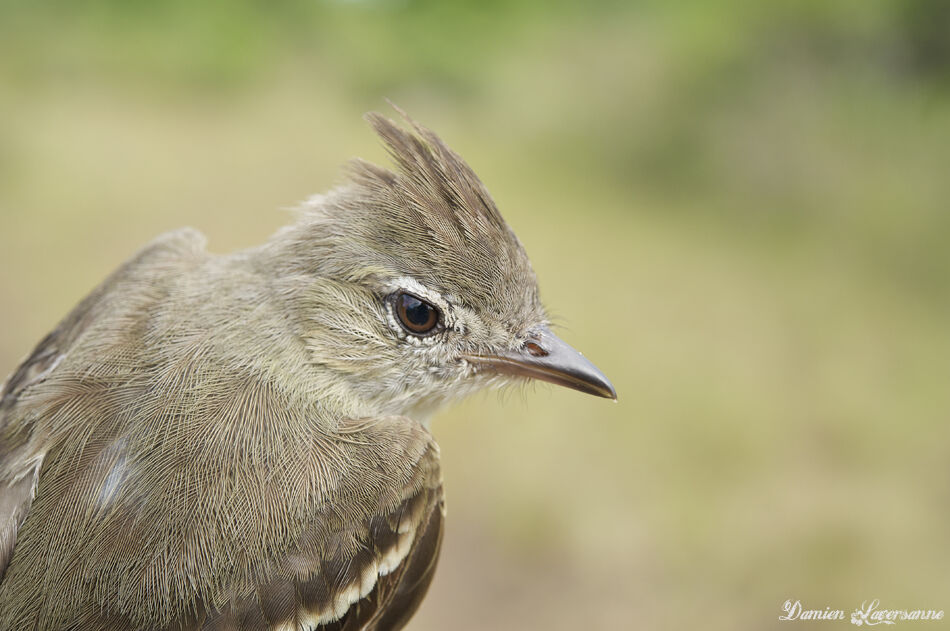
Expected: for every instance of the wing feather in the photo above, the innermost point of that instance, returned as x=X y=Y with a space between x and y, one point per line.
x=139 y=496
x=22 y=450
x=372 y=577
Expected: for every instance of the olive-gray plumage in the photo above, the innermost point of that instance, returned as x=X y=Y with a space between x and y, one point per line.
x=240 y=441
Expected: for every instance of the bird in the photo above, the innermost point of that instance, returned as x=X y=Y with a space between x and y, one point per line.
x=242 y=441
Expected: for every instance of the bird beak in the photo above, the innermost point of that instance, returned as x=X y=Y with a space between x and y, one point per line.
x=546 y=357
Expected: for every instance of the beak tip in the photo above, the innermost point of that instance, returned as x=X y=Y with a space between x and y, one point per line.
x=608 y=392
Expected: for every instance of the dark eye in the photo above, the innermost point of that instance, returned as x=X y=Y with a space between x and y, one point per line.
x=415 y=314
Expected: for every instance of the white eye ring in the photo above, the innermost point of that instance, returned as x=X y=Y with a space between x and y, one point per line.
x=411 y=287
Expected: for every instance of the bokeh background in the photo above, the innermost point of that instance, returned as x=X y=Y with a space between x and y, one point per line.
x=738 y=210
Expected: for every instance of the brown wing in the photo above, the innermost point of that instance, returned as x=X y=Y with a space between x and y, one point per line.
x=371 y=576
x=362 y=558
x=398 y=598
x=20 y=457
x=164 y=504
x=351 y=569
x=21 y=450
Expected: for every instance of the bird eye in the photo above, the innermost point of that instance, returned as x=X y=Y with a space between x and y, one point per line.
x=415 y=314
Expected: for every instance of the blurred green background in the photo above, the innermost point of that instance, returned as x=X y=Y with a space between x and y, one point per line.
x=738 y=210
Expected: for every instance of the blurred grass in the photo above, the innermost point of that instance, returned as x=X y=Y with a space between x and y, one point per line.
x=738 y=210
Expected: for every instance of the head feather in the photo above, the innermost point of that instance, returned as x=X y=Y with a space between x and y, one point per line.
x=436 y=177
x=430 y=218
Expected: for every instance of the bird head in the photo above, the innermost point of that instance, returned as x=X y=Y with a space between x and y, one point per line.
x=410 y=288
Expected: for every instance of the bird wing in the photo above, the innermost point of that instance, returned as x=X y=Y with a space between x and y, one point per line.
x=140 y=490
x=21 y=448
x=20 y=457
x=363 y=561
x=361 y=564
x=370 y=573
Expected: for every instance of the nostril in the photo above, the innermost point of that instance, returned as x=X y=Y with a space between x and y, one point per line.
x=534 y=349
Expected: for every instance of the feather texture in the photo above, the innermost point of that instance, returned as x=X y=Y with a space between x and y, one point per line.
x=229 y=442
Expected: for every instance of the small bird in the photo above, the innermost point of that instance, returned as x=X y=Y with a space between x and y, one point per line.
x=241 y=441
